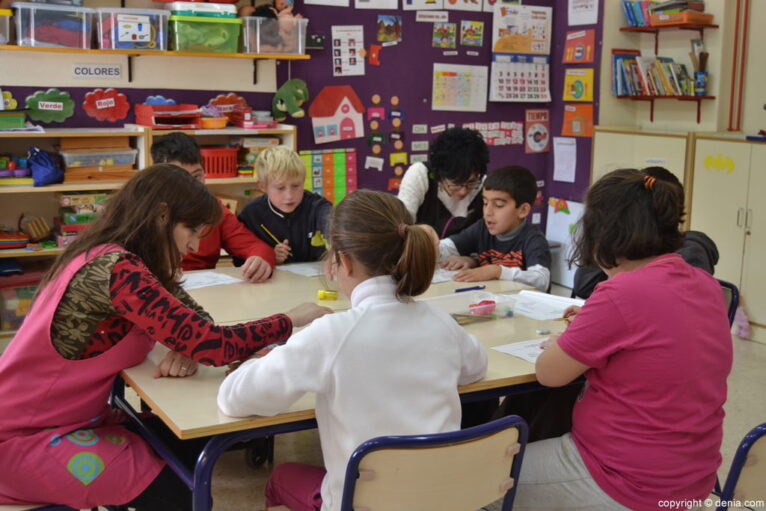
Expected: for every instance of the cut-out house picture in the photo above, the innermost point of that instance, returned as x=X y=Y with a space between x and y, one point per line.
x=337 y=114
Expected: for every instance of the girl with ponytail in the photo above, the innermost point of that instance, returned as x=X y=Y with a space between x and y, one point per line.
x=389 y=365
x=654 y=345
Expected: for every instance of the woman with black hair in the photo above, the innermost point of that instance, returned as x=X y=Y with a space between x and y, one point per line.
x=445 y=192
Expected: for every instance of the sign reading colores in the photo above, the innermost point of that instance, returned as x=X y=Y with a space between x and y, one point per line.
x=97 y=71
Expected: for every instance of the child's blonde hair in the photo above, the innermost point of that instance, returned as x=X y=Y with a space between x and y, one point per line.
x=279 y=163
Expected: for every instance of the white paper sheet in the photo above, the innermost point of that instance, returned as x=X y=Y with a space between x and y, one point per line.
x=442 y=275
x=564 y=159
x=583 y=12
x=207 y=279
x=313 y=269
x=459 y=88
x=376 y=4
x=526 y=350
x=542 y=306
x=417 y=5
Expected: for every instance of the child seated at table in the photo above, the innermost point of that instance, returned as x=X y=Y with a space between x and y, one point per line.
x=287 y=215
x=505 y=246
x=366 y=365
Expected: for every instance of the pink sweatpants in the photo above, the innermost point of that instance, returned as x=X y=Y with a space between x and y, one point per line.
x=296 y=486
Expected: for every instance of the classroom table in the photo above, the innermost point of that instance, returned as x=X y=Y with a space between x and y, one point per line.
x=188 y=405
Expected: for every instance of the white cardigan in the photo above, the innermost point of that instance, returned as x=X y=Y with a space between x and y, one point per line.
x=381 y=368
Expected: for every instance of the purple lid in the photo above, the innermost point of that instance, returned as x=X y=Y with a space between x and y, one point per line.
x=21 y=172
x=5 y=173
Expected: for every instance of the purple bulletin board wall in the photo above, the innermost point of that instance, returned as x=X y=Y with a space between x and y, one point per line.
x=405 y=71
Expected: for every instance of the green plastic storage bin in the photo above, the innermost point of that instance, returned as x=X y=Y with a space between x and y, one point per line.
x=205 y=34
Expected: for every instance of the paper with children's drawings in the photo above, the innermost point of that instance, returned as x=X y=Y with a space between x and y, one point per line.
x=526 y=350
x=314 y=269
x=459 y=88
x=197 y=280
x=564 y=159
x=542 y=306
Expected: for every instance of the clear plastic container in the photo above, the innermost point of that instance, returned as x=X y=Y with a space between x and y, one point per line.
x=212 y=10
x=126 y=29
x=53 y=26
x=99 y=159
x=202 y=34
x=5 y=25
x=470 y=303
x=274 y=35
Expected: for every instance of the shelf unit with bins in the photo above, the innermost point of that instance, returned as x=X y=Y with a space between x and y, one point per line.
x=656 y=30
x=132 y=54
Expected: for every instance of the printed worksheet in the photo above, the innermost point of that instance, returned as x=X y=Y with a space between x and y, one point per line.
x=526 y=350
x=197 y=280
x=313 y=269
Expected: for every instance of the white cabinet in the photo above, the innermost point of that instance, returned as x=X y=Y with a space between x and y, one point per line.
x=727 y=205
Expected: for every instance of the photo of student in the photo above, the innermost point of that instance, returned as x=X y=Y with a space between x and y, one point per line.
x=257 y=258
x=507 y=247
x=654 y=345
x=294 y=219
x=445 y=192
x=108 y=298
x=380 y=261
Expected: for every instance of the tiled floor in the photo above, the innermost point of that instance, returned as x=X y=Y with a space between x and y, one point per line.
x=236 y=486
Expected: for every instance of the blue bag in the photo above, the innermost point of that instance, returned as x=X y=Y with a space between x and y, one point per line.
x=45 y=170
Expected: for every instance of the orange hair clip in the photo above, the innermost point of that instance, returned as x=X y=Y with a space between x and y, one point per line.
x=649 y=182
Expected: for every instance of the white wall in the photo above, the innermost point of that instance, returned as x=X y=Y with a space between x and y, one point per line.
x=753 y=113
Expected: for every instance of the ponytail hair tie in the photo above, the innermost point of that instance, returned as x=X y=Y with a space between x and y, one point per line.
x=402 y=230
x=649 y=182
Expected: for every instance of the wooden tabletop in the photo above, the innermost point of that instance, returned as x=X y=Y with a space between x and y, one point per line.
x=188 y=405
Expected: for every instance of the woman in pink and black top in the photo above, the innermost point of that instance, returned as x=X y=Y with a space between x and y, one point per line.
x=654 y=345
x=108 y=298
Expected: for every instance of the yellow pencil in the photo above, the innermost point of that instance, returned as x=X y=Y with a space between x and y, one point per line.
x=269 y=233
x=561 y=319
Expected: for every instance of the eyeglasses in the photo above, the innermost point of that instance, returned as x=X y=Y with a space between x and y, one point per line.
x=469 y=186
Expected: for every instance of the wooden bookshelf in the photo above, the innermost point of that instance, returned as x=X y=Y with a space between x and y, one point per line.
x=656 y=29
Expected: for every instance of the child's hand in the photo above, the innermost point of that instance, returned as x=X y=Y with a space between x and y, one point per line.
x=175 y=364
x=305 y=313
x=282 y=251
x=550 y=342
x=571 y=311
x=256 y=269
x=454 y=263
x=488 y=272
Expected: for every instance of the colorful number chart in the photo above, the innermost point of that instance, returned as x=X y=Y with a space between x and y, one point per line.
x=331 y=172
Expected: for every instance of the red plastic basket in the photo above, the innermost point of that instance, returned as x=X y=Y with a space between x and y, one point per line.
x=219 y=161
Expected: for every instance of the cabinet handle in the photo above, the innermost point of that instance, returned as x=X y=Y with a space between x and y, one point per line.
x=748 y=218
x=739 y=216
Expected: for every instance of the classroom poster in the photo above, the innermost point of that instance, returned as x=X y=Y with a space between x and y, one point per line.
x=564 y=159
x=578 y=84
x=444 y=35
x=332 y=3
x=580 y=47
x=347 y=40
x=537 y=131
x=418 y=5
x=458 y=88
x=376 y=4
x=521 y=41
x=498 y=133
x=578 y=121
x=561 y=226
x=583 y=12
x=471 y=33
x=489 y=5
x=463 y=5
x=389 y=28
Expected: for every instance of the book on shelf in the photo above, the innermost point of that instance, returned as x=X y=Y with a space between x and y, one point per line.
x=677 y=6
x=637 y=75
x=637 y=12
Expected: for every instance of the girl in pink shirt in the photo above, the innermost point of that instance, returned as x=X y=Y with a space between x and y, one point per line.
x=654 y=345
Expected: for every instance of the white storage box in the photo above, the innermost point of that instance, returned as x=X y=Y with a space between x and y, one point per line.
x=274 y=35
x=99 y=159
x=53 y=26
x=128 y=29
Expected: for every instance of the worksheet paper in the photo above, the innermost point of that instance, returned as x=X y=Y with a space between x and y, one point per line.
x=206 y=279
x=442 y=275
x=542 y=306
x=526 y=350
x=582 y=12
x=314 y=269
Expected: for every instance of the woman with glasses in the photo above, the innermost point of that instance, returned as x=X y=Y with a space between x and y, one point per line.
x=445 y=192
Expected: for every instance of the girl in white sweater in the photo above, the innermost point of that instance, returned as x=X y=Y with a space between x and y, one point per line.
x=388 y=366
